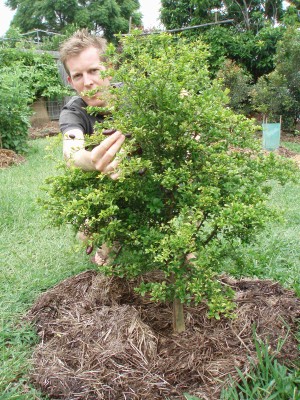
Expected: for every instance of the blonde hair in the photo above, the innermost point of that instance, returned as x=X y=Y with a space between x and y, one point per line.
x=78 y=42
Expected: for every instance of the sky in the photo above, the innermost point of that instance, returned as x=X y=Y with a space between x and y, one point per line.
x=149 y=9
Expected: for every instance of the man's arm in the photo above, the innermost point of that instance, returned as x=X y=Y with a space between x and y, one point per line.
x=101 y=158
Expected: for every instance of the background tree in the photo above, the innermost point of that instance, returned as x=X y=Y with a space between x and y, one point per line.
x=178 y=14
x=292 y=15
x=252 y=14
x=250 y=40
x=245 y=12
x=254 y=51
x=106 y=16
x=193 y=178
x=278 y=93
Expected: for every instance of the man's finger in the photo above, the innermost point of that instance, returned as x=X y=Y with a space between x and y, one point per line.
x=111 y=167
x=114 y=176
x=106 y=158
x=102 y=148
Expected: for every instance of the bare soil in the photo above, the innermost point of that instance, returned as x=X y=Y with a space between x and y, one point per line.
x=100 y=340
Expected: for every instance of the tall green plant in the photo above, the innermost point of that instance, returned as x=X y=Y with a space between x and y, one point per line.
x=24 y=77
x=39 y=71
x=14 y=113
x=254 y=51
x=267 y=379
x=192 y=177
x=106 y=16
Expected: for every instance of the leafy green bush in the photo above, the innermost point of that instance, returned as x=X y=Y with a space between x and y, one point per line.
x=254 y=51
x=14 y=113
x=193 y=178
x=271 y=97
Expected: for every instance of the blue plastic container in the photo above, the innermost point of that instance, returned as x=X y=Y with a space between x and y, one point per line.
x=271 y=136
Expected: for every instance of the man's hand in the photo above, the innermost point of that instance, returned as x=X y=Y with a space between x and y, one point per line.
x=103 y=155
x=101 y=158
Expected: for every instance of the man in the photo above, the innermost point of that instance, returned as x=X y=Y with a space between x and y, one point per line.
x=82 y=57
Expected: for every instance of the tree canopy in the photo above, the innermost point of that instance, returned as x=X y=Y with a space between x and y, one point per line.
x=249 y=14
x=251 y=37
x=105 y=16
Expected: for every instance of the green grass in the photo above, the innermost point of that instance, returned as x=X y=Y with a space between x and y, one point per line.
x=275 y=253
x=268 y=380
x=34 y=257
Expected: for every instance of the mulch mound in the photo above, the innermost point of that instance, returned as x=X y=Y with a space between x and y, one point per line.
x=100 y=340
x=9 y=157
x=284 y=152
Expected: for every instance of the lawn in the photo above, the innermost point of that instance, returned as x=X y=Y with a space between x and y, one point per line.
x=34 y=257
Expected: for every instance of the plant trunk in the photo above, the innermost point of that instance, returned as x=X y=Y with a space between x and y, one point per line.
x=178 y=316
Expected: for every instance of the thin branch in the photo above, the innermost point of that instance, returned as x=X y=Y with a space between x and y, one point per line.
x=211 y=235
x=225 y=21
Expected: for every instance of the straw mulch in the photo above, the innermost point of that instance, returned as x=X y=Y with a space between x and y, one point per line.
x=99 y=340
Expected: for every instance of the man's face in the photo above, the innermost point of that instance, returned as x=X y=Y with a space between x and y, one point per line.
x=85 y=75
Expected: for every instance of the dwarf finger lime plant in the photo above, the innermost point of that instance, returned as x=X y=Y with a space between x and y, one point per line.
x=192 y=177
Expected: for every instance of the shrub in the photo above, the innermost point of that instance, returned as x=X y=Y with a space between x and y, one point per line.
x=272 y=97
x=193 y=178
x=254 y=51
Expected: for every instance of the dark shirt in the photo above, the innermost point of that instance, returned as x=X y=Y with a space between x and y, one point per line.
x=74 y=115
